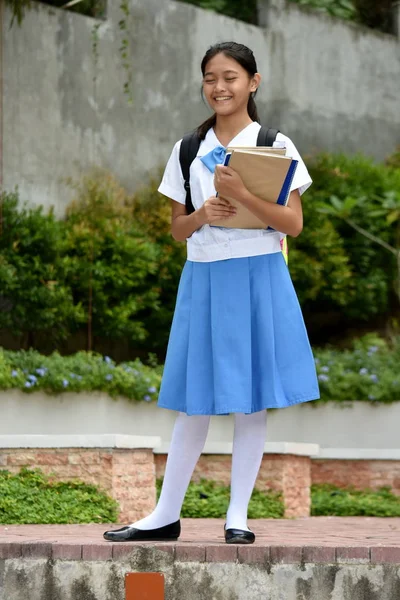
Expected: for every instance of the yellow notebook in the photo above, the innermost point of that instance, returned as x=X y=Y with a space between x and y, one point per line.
x=266 y=175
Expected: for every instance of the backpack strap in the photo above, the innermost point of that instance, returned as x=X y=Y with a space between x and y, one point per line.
x=266 y=136
x=188 y=151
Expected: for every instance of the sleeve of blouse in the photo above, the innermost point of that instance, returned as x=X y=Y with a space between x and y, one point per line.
x=172 y=183
x=301 y=180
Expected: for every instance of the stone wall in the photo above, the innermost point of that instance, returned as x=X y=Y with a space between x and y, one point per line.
x=328 y=84
x=128 y=475
x=288 y=474
x=361 y=474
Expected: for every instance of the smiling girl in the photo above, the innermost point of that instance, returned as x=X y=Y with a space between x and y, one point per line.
x=238 y=343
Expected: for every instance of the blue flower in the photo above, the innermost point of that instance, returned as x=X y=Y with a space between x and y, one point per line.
x=371 y=397
x=79 y=377
x=32 y=378
x=28 y=384
x=316 y=360
x=363 y=371
x=65 y=382
x=42 y=371
x=109 y=377
x=325 y=369
x=152 y=390
x=323 y=377
x=374 y=378
x=14 y=373
x=147 y=398
x=108 y=359
x=372 y=349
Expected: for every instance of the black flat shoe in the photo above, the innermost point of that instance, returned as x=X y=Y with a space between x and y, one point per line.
x=239 y=536
x=132 y=534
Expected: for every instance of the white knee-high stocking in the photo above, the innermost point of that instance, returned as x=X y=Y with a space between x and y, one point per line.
x=248 y=448
x=188 y=439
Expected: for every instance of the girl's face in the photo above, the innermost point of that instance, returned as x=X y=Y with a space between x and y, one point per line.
x=227 y=85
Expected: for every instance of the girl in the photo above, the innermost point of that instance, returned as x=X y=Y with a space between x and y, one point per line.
x=238 y=343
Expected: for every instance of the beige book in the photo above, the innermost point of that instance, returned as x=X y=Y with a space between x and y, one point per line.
x=263 y=149
x=263 y=175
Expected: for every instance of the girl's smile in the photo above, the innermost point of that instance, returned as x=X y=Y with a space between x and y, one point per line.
x=227 y=85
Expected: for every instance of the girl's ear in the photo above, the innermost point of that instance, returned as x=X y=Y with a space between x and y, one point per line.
x=255 y=82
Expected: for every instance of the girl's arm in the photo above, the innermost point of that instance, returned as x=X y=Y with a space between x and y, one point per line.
x=183 y=225
x=287 y=219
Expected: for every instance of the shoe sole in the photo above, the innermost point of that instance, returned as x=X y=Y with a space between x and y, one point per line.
x=170 y=539
x=239 y=541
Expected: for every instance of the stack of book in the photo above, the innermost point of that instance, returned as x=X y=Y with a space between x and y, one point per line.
x=267 y=173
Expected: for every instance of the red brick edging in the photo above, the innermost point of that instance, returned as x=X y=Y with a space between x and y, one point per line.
x=328 y=540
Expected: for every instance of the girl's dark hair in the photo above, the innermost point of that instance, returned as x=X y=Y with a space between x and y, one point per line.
x=245 y=57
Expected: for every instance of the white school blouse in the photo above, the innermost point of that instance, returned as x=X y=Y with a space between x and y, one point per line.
x=209 y=243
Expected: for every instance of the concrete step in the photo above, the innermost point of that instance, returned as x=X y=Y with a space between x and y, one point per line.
x=319 y=558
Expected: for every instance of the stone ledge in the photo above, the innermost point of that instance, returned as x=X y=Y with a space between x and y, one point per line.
x=336 y=540
x=106 y=440
x=293 y=448
x=358 y=454
x=212 y=553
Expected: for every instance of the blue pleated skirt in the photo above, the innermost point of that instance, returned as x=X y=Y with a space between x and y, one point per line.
x=238 y=342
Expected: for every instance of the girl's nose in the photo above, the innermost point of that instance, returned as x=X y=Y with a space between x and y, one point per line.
x=220 y=87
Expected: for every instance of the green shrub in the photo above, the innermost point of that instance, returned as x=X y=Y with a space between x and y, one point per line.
x=34 y=297
x=32 y=497
x=368 y=372
x=152 y=215
x=210 y=500
x=330 y=500
x=244 y=11
x=345 y=273
x=344 y=9
x=80 y=372
x=110 y=263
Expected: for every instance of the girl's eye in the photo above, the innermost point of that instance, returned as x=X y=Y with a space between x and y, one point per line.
x=209 y=80
x=231 y=79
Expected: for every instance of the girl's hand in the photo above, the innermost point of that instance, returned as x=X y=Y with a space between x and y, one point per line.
x=214 y=209
x=228 y=183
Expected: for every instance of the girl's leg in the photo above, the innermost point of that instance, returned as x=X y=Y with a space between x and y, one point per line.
x=248 y=448
x=188 y=439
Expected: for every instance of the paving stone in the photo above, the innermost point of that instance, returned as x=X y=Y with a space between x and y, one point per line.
x=286 y=554
x=190 y=553
x=226 y=553
x=97 y=552
x=253 y=554
x=63 y=551
x=319 y=554
x=385 y=554
x=10 y=550
x=358 y=554
x=36 y=550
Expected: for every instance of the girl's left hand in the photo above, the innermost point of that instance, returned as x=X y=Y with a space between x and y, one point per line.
x=228 y=183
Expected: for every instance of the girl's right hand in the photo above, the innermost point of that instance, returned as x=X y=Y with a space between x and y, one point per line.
x=214 y=209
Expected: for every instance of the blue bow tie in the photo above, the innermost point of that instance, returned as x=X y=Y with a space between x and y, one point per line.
x=213 y=158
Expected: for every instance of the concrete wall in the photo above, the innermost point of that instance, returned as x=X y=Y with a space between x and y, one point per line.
x=359 y=431
x=326 y=83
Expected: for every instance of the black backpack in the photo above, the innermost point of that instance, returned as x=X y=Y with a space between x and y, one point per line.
x=188 y=151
